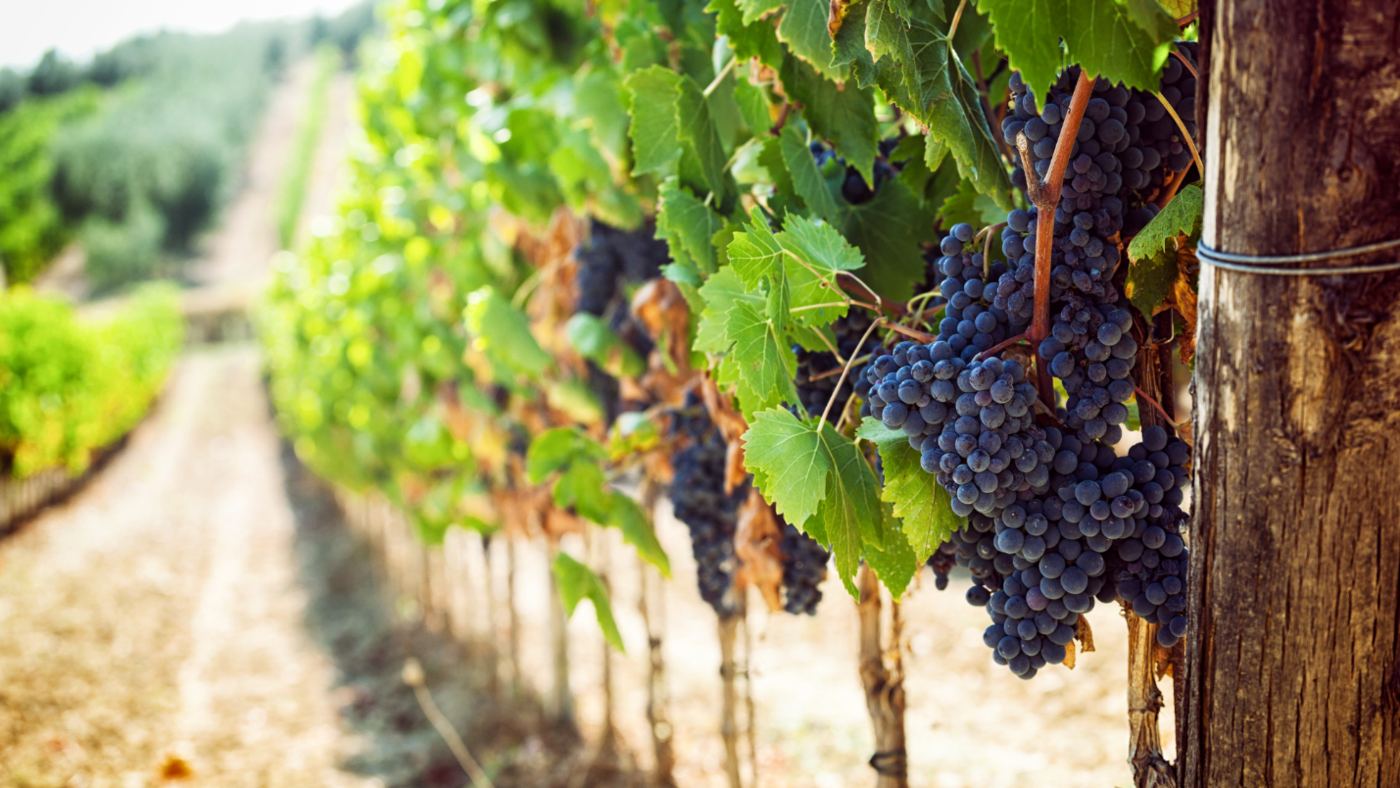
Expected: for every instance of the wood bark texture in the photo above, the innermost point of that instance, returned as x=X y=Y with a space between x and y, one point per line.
x=729 y=711
x=884 y=685
x=1292 y=654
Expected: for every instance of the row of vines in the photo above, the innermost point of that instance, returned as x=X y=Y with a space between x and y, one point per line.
x=867 y=286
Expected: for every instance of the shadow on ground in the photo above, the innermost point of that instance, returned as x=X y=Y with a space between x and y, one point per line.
x=351 y=617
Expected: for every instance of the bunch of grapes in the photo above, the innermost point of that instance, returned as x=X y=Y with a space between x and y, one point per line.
x=697 y=494
x=853 y=186
x=818 y=370
x=804 y=567
x=610 y=256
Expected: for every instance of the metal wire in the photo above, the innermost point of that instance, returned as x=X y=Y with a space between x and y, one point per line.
x=1267 y=264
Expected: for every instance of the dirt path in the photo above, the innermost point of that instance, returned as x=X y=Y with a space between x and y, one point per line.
x=157 y=616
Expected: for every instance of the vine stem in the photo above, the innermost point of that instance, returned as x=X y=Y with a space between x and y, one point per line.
x=957 y=17
x=413 y=677
x=1191 y=143
x=913 y=333
x=724 y=72
x=987 y=248
x=845 y=370
x=1155 y=404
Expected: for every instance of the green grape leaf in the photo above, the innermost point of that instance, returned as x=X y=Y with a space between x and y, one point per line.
x=655 y=130
x=889 y=230
x=818 y=481
x=503 y=332
x=1150 y=281
x=756 y=254
x=697 y=128
x=848 y=48
x=763 y=358
x=595 y=340
x=1028 y=33
x=1153 y=19
x=1182 y=216
x=1102 y=37
x=886 y=33
x=816 y=254
x=753 y=9
x=754 y=106
x=583 y=487
x=895 y=564
x=789 y=463
x=689 y=225
x=577 y=583
x=807 y=180
x=969 y=205
x=576 y=400
x=721 y=292
x=804 y=29
x=924 y=508
x=627 y=515
x=844 y=115
x=749 y=38
x=1124 y=43
x=554 y=449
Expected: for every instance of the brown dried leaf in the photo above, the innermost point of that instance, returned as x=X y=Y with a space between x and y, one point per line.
x=734 y=472
x=1183 y=296
x=558 y=523
x=1084 y=635
x=661 y=307
x=1162 y=657
x=1069 y=654
x=836 y=15
x=757 y=545
x=722 y=413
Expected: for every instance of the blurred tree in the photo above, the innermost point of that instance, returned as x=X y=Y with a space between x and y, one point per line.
x=54 y=74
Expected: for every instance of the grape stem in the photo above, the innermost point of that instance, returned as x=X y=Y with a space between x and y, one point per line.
x=987 y=249
x=845 y=370
x=724 y=72
x=1142 y=395
x=957 y=17
x=850 y=282
x=1003 y=345
x=1191 y=143
x=1188 y=19
x=837 y=370
x=1045 y=195
x=1186 y=63
x=913 y=333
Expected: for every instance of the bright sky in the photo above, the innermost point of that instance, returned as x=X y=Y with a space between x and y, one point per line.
x=81 y=27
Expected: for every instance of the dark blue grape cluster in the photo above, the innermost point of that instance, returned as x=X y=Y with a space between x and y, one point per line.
x=1110 y=528
x=804 y=568
x=853 y=186
x=698 y=497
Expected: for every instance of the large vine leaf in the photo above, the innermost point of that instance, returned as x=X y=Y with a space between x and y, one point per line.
x=804 y=30
x=577 y=583
x=923 y=507
x=818 y=480
x=688 y=225
x=655 y=129
x=895 y=564
x=889 y=230
x=843 y=114
x=1105 y=36
x=807 y=180
x=763 y=358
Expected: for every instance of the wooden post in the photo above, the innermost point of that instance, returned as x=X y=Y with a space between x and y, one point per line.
x=884 y=685
x=729 y=724
x=1292 y=670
